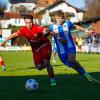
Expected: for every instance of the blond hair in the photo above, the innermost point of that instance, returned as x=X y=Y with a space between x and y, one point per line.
x=59 y=13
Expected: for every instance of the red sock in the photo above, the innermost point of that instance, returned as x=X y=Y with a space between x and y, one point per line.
x=1 y=63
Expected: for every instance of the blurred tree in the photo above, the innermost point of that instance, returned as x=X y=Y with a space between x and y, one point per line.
x=2 y=8
x=21 y=9
x=93 y=9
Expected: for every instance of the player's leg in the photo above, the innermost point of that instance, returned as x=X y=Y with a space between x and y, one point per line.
x=77 y=66
x=37 y=57
x=82 y=71
x=54 y=56
x=46 y=51
x=2 y=64
x=54 y=51
x=50 y=72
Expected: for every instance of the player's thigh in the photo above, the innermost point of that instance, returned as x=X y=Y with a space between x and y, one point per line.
x=71 y=56
x=1 y=58
x=46 y=52
x=37 y=57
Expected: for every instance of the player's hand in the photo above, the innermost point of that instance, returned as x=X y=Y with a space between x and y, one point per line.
x=3 y=43
x=63 y=41
x=54 y=34
x=46 y=31
x=89 y=31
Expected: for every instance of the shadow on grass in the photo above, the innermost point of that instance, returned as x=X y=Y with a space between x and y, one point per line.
x=20 y=69
x=69 y=87
x=55 y=65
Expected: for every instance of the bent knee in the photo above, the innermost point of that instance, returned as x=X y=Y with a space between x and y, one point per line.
x=46 y=63
x=71 y=60
x=40 y=67
x=71 y=63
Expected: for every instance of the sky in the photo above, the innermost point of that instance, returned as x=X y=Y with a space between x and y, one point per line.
x=3 y=2
x=76 y=3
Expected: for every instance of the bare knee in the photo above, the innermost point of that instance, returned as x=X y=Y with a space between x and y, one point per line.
x=1 y=59
x=40 y=66
x=71 y=62
x=71 y=57
x=47 y=63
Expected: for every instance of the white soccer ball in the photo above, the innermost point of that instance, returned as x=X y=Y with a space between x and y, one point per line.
x=31 y=85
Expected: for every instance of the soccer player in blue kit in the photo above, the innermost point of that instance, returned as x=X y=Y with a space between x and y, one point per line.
x=65 y=45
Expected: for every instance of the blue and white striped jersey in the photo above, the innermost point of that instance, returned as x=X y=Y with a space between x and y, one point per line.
x=54 y=46
x=64 y=32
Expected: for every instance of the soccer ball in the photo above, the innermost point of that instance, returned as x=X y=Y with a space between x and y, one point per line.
x=31 y=85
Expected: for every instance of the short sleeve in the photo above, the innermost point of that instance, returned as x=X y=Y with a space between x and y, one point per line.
x=40 y=29
x=20 y=32
x=69 y=24
x=51 y=28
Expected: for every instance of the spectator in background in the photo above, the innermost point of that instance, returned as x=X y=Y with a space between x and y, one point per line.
x=79 y=44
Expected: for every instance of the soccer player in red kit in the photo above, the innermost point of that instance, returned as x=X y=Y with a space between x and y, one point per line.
x=40 y=44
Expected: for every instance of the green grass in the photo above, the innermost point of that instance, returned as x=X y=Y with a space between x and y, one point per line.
x=70 y=85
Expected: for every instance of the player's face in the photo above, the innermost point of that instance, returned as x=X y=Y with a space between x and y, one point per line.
x=59 y=20
x=29 y=23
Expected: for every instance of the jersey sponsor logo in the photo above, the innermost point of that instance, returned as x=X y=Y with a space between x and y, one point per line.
x=34 y=41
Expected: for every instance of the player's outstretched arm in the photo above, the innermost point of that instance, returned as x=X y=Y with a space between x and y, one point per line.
x=8 y=38
x=81 y=28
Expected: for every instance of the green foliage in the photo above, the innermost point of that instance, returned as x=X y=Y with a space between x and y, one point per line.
x=14 y=28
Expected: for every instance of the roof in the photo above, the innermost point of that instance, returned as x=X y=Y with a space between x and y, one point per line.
x=22 y=1
x=57 y=3
x=16 y=15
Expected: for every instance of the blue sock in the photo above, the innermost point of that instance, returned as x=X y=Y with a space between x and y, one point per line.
x=81 y=70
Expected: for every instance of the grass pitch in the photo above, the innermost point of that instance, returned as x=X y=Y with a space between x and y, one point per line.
x=70 y=85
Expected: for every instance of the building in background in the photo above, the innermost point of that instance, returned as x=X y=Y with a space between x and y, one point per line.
x=20 y=6
x=46 y=3
x=44 y=16
x=13 y=14
x=4 y=33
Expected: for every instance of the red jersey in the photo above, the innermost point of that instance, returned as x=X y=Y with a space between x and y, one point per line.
x=34 y=36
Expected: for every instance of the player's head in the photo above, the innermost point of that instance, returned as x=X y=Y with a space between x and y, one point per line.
x=28 y=21
x=59 y=16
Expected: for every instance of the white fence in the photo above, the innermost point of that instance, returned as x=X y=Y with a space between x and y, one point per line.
x=85 y=48
x=91 y=48
x=15 y=48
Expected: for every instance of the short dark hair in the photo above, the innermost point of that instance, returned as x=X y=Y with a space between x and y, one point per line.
x=59 y=13
x=28 y=17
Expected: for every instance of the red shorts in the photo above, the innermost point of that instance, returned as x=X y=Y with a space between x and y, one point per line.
x=42 y=53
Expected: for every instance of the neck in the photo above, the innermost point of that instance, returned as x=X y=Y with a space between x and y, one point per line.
x=59 y=23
